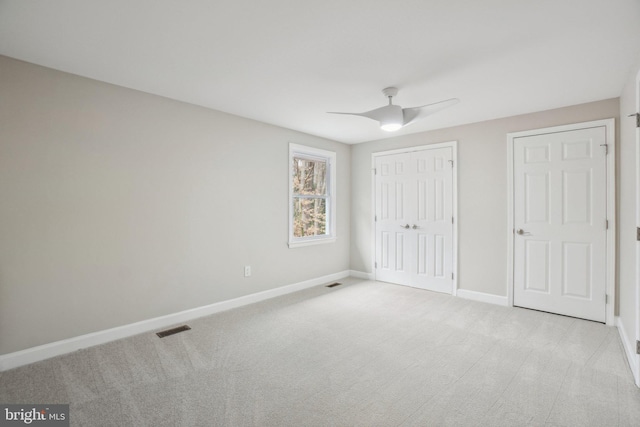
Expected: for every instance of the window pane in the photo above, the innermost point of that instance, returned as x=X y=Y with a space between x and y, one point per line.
x=309 y=217
x=309 y=177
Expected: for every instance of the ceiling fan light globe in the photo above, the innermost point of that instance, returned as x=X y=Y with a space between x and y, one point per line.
x=391 y=118
x=390 y=127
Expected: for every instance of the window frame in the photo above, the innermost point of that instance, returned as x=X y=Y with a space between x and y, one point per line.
x=317 y=154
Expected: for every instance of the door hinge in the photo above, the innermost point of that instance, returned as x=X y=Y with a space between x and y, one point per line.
x=637 y=116
x=638 y=234
x=451 y=276
x=375 y=171
x=375 y=264
x=606 y=148
x=606 y=299
x=451 y=161
x=375 y=218
x=637 y=347
x=451 y=220
x=606 y=224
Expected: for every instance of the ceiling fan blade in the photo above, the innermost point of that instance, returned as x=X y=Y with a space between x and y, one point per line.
x=413 y=114
x=377 y=114
x=348 y=114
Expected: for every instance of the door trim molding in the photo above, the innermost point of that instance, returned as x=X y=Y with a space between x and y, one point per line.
x=454 y=149
x=637 y=313
x=629 y=350
x=609 y=125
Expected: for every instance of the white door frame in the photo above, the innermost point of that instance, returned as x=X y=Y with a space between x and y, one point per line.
x=637 y=325
x=454 y=149
x=610 y=287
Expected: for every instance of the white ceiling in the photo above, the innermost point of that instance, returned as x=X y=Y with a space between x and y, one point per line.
x=288 y=62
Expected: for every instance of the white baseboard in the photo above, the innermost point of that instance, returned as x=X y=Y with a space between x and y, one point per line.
x=362 y=275
x=629 y=349
x=46 y=351
x=482 y=297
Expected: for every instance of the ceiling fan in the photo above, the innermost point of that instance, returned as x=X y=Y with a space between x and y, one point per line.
x=393 y=117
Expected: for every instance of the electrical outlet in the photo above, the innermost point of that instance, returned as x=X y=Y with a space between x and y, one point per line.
x=247 y=270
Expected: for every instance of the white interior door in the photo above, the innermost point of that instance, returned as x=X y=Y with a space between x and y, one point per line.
x=560 y=204
x=414 y=213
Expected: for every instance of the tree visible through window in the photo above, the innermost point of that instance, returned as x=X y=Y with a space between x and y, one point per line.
x=312 y=209
x=309 y=197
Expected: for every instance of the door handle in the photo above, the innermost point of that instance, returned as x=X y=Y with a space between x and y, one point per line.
x=407 y=226
x=521 y=232
x=415 y=227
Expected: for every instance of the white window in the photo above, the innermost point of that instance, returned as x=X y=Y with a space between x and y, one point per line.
x=312 y=196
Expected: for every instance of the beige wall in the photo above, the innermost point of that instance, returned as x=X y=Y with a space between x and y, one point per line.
x=627 y=194
x=482 y=190
x=118 y=206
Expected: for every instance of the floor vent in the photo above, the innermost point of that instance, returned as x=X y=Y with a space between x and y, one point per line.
x=172 y=331
x=333 y=285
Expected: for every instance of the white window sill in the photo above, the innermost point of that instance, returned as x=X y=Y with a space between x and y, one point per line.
x=311 y=242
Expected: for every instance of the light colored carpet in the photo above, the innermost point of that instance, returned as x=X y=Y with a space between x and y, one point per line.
x=361 y=354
